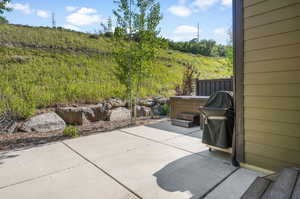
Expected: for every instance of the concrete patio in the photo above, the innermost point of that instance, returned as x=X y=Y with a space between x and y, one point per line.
x=153 y=161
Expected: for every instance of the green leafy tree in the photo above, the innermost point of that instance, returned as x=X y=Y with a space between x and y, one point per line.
x=3 y=98
x=229 y=49
x=203 y=47
x=137 y=44
x=3 y=8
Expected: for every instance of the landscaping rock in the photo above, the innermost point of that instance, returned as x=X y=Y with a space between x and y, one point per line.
x=107 y=105
x=101 y=112
x=120 y=114
x=19 y=59
x=157 y=110
x=147 y=102
x=44 y=123
x=143 y=111
x=8 y=126
x=116 y=103
x=161 y=100
x=75 y=115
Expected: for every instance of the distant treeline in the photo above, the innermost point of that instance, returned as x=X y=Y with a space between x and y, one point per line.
x=203 y=47
x=208 y=48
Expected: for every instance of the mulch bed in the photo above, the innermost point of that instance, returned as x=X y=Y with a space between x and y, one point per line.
x=27 y=140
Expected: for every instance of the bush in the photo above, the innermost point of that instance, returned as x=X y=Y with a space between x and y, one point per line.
x=165 y=109
x=94 y=36
x=71 y=131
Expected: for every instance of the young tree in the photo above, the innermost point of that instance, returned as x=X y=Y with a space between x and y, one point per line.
x=4 y=108
x=3 y=8
x=137 y=44
x=229 y=49
x=190 y=74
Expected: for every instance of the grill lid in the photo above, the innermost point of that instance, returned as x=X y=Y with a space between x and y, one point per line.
x=220 y=100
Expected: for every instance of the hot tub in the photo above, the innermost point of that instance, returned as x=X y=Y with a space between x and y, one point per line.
x=191 y=104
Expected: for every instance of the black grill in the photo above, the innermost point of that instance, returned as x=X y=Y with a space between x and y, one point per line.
x=218 y=116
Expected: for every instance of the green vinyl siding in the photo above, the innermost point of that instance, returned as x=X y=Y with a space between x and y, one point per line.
x=272 y=83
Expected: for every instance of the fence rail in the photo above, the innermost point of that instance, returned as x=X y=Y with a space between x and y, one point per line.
x=210 y=86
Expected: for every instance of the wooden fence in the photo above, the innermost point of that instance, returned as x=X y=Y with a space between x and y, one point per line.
x=210 y=86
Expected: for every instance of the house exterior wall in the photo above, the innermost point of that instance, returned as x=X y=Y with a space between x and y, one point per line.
x=272 y=83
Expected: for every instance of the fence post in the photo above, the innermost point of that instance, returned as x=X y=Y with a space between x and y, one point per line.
x=196 y=87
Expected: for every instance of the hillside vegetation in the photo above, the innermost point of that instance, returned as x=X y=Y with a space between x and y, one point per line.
x=41 y=67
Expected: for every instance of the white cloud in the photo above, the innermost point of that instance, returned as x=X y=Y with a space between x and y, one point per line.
x=182 y=1
x=203 y=4
x=86 y=11
x=71 y=27
x=221 y=35
x=220 y=31
x=71 y=8
x=184 y=9
x=184 y=29
x=184 y=33
x=24 y=8
x=84 y=17
x=227 y=3
x=42 y=13
x=181 y=11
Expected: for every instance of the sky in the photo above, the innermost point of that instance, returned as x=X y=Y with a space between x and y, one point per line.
x=180 y=17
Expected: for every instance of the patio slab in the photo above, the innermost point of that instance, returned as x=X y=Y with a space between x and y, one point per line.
x=188 y=143
x=23 y=165
x=158 y=134
x=196 y=134
x=151 y=162
x=106 y=144
x=160 y=171
x=82 y=182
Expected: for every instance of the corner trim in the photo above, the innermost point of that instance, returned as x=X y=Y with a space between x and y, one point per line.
x=238 y=65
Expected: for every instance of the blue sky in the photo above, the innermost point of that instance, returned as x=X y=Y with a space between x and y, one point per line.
x=179 y=23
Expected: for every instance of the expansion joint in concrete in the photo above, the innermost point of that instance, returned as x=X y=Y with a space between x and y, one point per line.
x=102 y=170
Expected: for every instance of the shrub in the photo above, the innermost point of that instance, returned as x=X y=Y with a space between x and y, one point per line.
x=165 y=109
x=71 y=131
x=94 y=36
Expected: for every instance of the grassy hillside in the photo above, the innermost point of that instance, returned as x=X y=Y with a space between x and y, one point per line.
x=40 y=67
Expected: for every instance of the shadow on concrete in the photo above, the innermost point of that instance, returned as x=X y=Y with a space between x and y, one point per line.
x=167 y=126
x=193 y=174
x=220 y=155
x=6 y=155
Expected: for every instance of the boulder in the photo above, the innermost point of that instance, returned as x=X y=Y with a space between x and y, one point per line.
x=143 y=111
x=157 y=110
x=8 y=126
x=75 y=115
x=44 y=123
x=120 y=114
x=161 y=100
x=147 y=102
x=101 y=112
x=84 y=115
x=116 y=103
